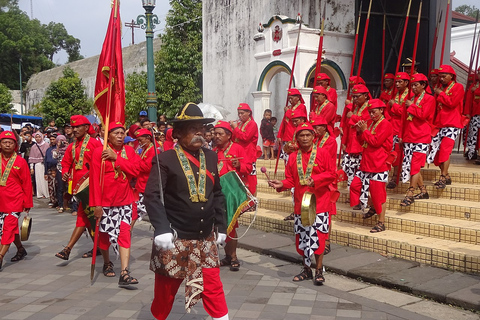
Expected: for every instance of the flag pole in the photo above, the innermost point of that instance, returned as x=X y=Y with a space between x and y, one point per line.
x=105 y=136
x=318 y=67
x=355 y=44
x=364 y=41
x=444 y=33
x=383 y=51
x=299 y=20
x=434 y=45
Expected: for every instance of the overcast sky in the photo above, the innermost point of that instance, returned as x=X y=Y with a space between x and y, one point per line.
x=87 y=19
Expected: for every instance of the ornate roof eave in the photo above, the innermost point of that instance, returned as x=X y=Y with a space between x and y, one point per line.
x=282 y=19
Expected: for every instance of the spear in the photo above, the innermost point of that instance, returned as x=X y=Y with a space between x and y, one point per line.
x=444 y=33
x=354 y=49
x=362 y=51
x=318 y=67
x=383 y=52
x=299 y=20
x=403 y=38
x=434 y=45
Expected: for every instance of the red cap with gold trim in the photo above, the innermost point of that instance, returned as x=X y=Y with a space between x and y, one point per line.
x=142 y=132
x=323 y=76
x=224 y=125
x=115 y=125
x=389 y=76
x=376 y=103
x=318 y=120
x=320 y=90
x=298 y=113
x=445 y=68
x=304 y=126
x=78 y=120
x=402 y=76
x=417 y=77
x=360 y=88
x=295 y=92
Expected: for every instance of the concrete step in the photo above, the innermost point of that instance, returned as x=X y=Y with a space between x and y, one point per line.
x=447 y=254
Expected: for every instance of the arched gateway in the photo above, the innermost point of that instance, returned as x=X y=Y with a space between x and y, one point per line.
x=274 y=53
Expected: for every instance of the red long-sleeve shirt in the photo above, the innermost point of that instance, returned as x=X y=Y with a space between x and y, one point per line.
x=349 y=132
x=397 y=113
x=144 y=168
x=68 y=164
x=449 y=107
x=332 y=96
x=224 y=166
x=379 y=142
x=472 y=103
x=287 y=129
x=330 y=145
x=329 y=113
x=323 y=174
x=116 y=191
x=386 y=95
x=418 y=130
x=17 y=194
x=247 y=137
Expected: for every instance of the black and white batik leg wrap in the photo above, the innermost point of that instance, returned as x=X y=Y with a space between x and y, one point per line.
x=254 y=169
x=365 y=177
x=308 y=237
x=472 y=136
x=111 y=219
x=408 y=150
x=447 y=132
x=141 y=208
x=3 y=215
x=396 y=140
x=350 y=165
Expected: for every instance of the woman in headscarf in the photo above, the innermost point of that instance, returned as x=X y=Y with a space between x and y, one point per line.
x=35 y=160
x=58 y=154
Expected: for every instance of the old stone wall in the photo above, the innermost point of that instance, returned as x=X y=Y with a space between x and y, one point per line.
x=134 y=60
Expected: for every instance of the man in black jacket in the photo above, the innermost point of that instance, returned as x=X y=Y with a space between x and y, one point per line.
x=185 y=204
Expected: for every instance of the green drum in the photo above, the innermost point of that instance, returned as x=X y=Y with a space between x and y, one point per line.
x=81 y=192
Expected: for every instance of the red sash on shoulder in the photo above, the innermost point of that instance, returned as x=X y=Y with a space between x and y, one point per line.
x=197 y=163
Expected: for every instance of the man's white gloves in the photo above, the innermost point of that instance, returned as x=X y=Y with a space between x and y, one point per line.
x=221 y=237
x=164 y=241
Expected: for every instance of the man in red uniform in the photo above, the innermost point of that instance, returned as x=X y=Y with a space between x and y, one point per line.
x=352 y=81
x=387 y=92
x=416 y=138
x=15 y=195
x=376 y=137
x=287 y=129
x=231 y=157
x=324 y=80
x=310 y=169
x=472 y=111
x=112 y=196
x=396 y=107
x=353 y=113
x=245 y=133
x=448 y=122
x=75 y=166
x=434 y=80
x=145 y=140
x=324 y=107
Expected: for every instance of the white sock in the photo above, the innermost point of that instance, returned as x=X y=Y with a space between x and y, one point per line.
x=225 y=317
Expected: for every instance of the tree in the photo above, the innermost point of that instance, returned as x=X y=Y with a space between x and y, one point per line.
x=135 y=95
x=467 y=10
x=30 y=43
x=6 y=99
x=65 y=97
x=178 y=63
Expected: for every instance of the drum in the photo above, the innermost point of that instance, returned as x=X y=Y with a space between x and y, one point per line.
x=25 y=228
x=308 y=209
x=81 y=192
x=238 y=198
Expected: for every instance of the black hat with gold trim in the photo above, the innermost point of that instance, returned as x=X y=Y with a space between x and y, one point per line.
x=190 y=113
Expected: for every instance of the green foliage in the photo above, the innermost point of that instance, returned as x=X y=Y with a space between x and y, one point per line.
x=6 y=99
x=30 y=42
x=467 y=10
x=178 y=63
x=135 y=96
x=64 y=98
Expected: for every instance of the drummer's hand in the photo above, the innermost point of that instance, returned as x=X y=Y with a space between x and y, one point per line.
x=277 y=184
x=236 y=163
x=45 y=177
x=164 y=241
x=65 y=177
x=221 y=237
x=310 y=182
x=109 y=154
x=98 y=212
x=233 y=124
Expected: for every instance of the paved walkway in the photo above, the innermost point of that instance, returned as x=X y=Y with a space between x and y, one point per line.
x=44 y=287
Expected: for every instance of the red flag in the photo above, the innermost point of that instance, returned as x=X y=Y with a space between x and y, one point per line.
x=110 y=84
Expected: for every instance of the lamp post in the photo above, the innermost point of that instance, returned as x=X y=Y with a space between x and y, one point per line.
x=148 y=22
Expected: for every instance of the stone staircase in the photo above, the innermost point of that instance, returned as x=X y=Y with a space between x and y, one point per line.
x=443 y=231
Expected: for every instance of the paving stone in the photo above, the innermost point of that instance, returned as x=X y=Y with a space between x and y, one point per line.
x=345 y=264
x=441 y=287
x=381 y=268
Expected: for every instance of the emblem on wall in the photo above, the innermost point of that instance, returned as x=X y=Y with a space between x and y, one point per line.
x=277 y=34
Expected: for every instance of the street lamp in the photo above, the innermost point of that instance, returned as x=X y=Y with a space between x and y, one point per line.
x=148 y=22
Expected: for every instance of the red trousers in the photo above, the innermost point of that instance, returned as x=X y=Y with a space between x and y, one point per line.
x=252 y=184
x=418 y=162
x=10 y=229
x=322 y=238
x=82 y=220
x=213 y=297
x=443 y=154
x=124 y=237
x=378 y=193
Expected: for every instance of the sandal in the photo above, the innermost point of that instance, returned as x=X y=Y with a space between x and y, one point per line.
x=89 y=254
x=226 y=261
x=306 y=274
x=357 y=207
x=442 y=183
x=60 y=210
x=423 y=194
x=125 y=278
x=391 y=184
x=234 y=265
x=327 y=247
x=370 y=213
x=1 y=261
x=108 y=270
x=64 y=254
x=408 y=200
x=319 y=278
x=291 y=216
x=21 y=253
x=448 y=180
x=379 y=227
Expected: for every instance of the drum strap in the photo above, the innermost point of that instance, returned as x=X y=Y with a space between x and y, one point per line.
x=4 y=175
